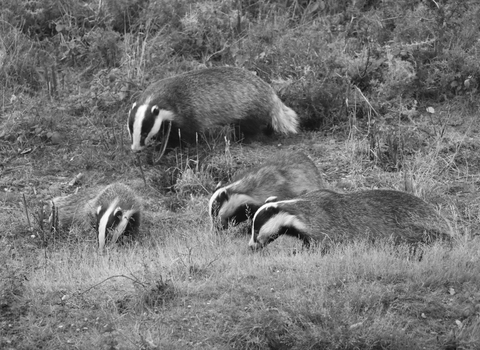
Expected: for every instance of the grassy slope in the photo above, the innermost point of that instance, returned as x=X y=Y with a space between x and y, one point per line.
x=182 y=286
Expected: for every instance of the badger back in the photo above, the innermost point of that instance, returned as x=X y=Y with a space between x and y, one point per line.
x=289 y=175
x=405 y=217
x=331 y=217
x=374 y=214
x=292 y=174
x=200 y=100
x=65 y=211
x=116 y=211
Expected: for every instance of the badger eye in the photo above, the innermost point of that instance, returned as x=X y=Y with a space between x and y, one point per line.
x=271 y=199
x=155 y=110
x=131 y=109
x=118 y=212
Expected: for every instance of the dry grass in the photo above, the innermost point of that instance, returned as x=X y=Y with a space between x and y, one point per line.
x=208 y=293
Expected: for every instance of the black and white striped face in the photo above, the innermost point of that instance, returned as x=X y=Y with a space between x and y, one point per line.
x=144 y=123
x=273 y=220
x=215 y=203
x=113 y=221
x=230 y=208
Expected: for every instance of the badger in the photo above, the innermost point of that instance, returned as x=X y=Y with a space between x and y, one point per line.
x=200 y=100
x=114 y=210
x=288 y=175
x=328 y=217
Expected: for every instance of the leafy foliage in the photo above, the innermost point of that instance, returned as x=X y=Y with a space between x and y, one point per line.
x=391 y=50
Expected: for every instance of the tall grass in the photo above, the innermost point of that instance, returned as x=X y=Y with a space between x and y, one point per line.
x=202 y=291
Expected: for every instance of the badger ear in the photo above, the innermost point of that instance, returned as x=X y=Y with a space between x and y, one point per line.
x=99 y=209
x=271 y=199
x=155 y=110
x=220 y=184
x=118 y=212
x=133 y=106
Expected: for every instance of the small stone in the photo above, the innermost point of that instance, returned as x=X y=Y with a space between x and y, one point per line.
x=56 y=138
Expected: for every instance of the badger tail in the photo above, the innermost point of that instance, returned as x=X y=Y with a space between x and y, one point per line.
x=284 y=119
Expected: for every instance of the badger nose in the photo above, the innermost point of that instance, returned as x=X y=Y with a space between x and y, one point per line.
x=136 y=148
x=254 y=245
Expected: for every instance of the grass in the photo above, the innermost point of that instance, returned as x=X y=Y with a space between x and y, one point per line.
x=181 y=286
x=208 y=293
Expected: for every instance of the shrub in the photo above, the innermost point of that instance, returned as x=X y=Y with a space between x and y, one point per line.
x=314 y=53
x=207 y=30
x=17 y=61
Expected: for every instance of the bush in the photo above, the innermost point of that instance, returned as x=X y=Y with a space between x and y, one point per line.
x=313 y=53
x=17 y=62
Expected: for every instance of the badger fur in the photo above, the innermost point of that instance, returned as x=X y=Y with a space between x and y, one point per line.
x=114 y=210
x=200 y=100
x=288 y=175
x=329 y=217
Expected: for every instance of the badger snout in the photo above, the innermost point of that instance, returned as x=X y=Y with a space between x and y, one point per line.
x=136 y=148
x=254 y=244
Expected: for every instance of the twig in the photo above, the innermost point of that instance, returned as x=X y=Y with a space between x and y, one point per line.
x=121 y=142
x=366 y=100
x=196 y=146
x=75 y=180
x=366 y=64
x=141 y=170
x=106 y=279
x=26 y=210
x=40 y=217
x=164 y=144
x=180 y=146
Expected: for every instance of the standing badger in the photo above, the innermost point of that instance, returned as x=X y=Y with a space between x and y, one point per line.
x=329 y=217
x=200 y=100
x=288 y=175
x=113 y=210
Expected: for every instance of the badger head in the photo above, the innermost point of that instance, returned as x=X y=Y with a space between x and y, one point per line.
x=227 y=207
x=114 y=221
x=274 y=219
x=145 y=121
